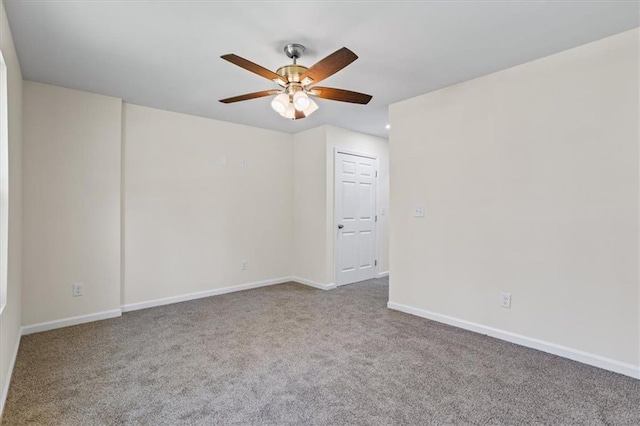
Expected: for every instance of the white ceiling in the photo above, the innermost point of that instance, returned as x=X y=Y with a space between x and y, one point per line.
x=165 y=54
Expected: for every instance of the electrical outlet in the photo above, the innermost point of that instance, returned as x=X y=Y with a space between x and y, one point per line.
x=78 y=289
x=244 y=164
x=245 y=265
x=505 y=300
x=418 y=211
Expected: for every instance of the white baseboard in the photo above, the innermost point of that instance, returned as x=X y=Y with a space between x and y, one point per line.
x=7 y=381
x=315 y=284
x=552 y=348
x=383 y=274
x=224 y=290
x=199 y=295
x=66 y=322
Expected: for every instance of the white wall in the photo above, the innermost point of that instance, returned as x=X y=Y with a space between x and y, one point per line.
x=189 y=220
x=10 y=317
x=314 y=198
x=190 y=212
x=529 y=177
x=142 y=205
x=310 y=258
x=71 y=202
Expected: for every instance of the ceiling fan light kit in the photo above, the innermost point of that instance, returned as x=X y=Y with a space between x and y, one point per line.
x=292 y=100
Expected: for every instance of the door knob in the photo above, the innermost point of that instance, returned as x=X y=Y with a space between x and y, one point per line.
x=340 y=226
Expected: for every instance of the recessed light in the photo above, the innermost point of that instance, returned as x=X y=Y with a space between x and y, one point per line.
x=388 y=126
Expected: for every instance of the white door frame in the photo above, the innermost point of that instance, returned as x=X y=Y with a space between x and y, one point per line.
x=337 y=151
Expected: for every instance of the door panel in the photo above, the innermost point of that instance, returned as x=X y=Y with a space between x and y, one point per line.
x=366 y=170
x=355 y=183
x=365 y=204
x=349 y=248
x=365 y=251
x=349 y=202
x=349 y=168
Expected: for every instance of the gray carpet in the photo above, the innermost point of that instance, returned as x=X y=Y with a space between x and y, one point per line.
x=290 y=354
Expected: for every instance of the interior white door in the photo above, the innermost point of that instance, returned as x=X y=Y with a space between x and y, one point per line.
x=355 y=199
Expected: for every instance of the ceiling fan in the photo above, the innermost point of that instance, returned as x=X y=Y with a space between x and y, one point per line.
x=292 y=98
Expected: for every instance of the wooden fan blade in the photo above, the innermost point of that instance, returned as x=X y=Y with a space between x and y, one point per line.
x=340 y=95
x=254 y=68
x=328 y=66
x=248 y=96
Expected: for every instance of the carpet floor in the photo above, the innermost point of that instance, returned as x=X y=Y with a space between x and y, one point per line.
x=290 y=354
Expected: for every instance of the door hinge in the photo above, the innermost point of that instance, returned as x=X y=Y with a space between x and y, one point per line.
x=376 y=173
x=376 y=218
x=375 y=263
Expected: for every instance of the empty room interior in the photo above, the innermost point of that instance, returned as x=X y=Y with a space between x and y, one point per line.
x=319 y=213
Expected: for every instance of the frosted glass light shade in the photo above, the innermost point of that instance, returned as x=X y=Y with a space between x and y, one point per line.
x=280 y=102
x=311 y=108
x=301 y=101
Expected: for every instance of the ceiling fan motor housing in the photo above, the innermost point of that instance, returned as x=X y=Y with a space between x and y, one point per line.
x=291 y=72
